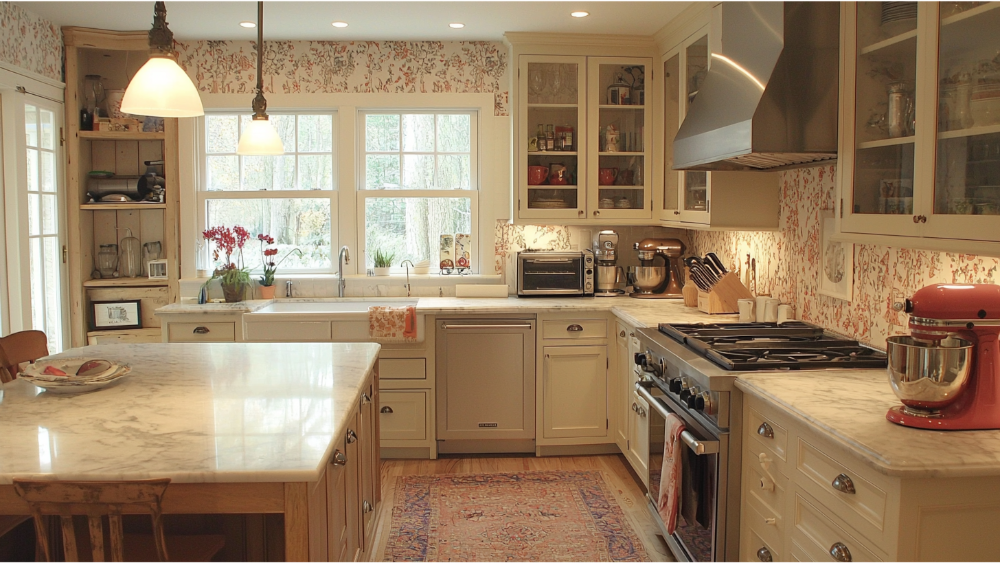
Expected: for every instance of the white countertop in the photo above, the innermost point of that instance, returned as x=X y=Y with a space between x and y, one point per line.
x=196 y=413
x=850 y=407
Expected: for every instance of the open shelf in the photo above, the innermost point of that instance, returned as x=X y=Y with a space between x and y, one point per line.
x=886 y=142
x=126 y=282
x=886 y=43
x=961 y=16
x=113 y=206
x=970 y=132
x=121 y=135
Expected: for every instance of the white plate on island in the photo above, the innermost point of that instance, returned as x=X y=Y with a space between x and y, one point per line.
x=35 y=375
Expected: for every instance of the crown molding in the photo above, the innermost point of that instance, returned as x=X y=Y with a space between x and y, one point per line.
x=677 y=29
x=520 y=39
x=105 y=39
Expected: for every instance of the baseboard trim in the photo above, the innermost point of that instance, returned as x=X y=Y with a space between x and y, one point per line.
x=405 y=453
x=591 y=449
x=485 y=446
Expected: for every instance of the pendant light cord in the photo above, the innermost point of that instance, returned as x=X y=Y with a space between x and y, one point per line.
x=259 y=103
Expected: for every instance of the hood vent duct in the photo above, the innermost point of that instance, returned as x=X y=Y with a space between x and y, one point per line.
x=770 y=98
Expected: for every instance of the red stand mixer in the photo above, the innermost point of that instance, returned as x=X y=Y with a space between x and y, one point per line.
x=947 y=373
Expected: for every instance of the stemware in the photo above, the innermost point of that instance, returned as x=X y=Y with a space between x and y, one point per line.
x=536 y=83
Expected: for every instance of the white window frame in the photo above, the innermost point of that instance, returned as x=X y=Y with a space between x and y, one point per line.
x=250 y=250
x=474 y=167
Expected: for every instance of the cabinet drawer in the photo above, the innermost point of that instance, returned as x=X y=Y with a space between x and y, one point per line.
x=864 y=509
x=393 y=368
x=403 y=415
x=202 y=332
x=758 y=550
x=768 y=433
x=767 y=525
x=575 y=329
x=305 y=331
x=817 y=535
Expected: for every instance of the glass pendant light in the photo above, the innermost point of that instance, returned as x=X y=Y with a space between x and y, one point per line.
x=161 y=88
x=260 y=138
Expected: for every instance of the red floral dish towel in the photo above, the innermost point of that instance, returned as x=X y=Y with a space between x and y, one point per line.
x=670 y=472
x=392 y=324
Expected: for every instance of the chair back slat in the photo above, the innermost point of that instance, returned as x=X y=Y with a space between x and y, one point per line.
x=96 y=537
x=69 y=538
x=20 y=347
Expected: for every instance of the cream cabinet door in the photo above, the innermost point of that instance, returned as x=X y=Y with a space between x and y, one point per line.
x=622 y=394
x=574 y=392
x=638 y=446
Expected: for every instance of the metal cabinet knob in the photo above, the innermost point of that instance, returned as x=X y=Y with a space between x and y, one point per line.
x=574 y=328
x=764 y=554
x=339 y=458
x=365 y=399
x=622 y=334
x=635 y=407
x=201 y=330
x=765 y=430
x=580 y=213
x=386 y=410
x=677 y=212
x=840 y=552
x=366 y=507
x=844 y=484
x=351 y=437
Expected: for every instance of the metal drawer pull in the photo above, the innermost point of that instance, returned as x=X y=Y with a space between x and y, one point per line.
x=622 y=334
x=365 y=399
x=635 y=408
x=449 y=327
x=840 y=552
x=351 y=437
x=574 y=328
x=765 y=430
x=386 y=410
x=367 y=507
x=764 y=555
x=339 y=458
x=844 y=484
x=201 y=330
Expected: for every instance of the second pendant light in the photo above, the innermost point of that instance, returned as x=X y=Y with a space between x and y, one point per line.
x=259 y=137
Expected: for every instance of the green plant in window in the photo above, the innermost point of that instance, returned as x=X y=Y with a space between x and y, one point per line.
x=383 y=259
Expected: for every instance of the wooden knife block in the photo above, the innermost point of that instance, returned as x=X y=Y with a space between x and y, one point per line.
x=724 y=296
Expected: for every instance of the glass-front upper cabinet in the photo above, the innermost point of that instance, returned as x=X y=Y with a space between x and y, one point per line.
x=552 y=108
x=695 y=194
x=966 y=201
x=619 y=138
x=671 y=122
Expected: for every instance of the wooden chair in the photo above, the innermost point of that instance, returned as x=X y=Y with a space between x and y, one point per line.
x=96 y=499
x=18 y=348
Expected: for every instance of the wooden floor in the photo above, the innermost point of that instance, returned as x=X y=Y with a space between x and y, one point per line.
x=621 y=482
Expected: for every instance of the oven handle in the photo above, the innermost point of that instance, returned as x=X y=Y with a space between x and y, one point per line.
x=699 y=447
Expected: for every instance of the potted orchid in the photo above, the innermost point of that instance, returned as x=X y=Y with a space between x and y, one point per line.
x=234 y=279
x=267 y=255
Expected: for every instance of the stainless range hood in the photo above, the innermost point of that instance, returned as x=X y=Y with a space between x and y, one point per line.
x=771 y=94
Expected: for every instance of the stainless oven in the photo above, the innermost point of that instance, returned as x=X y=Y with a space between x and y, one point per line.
x=700 y=534
x=555 y=273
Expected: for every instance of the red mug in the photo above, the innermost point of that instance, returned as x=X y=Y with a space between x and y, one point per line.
x=537 y=175
x=606 y=176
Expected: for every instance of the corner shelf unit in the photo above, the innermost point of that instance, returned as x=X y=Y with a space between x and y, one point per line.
x=115 y=56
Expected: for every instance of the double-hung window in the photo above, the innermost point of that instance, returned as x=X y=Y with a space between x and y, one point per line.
x=418 y=180
x=291 y=197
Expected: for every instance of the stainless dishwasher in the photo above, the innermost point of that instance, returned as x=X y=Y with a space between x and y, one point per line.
x=485 y=385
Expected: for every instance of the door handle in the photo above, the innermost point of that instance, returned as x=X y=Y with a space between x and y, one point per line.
x=201 y=330
x=386 y=410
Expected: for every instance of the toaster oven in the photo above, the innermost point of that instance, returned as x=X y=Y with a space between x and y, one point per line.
x=543 y=273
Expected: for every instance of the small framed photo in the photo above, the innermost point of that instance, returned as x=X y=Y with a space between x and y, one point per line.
x=836 y=268
x=116 y=315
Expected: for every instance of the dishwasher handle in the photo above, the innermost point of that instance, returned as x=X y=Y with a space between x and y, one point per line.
x=699 y=447
x=447 y=326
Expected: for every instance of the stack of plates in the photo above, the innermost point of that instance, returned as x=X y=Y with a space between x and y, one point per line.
x=897 y=16
x=98 y=373
x=550 y=204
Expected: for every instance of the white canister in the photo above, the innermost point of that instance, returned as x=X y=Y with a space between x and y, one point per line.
x=759 y=309
x=785 y=313
x=746 y=307
x=771 y=310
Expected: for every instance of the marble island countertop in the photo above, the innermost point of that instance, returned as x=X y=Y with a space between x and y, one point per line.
x=196 y=413
x=850 y=407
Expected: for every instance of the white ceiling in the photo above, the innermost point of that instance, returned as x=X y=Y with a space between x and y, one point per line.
x=368 y=20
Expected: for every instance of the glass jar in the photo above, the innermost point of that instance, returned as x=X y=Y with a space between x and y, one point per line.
x=619 y=93
x=107 y=260
x=93 y=92
x=130 y=264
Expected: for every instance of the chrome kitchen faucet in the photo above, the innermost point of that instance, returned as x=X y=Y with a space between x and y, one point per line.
x=344 y=258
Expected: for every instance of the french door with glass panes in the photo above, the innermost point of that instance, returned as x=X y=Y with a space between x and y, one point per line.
x=38 y=277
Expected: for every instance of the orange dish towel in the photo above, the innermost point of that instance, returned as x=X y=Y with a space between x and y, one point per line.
x=670 y=472
x=392 y=324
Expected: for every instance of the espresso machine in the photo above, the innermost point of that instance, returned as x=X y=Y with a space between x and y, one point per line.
x=658 y=282
x=947 y=373
x=609 y=274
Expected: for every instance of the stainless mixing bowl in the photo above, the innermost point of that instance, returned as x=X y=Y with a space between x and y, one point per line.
x=648 y=278
x=928 y=375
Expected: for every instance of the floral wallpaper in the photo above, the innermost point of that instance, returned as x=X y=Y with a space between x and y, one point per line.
x=27 y=41
x=320 y=67
x=788 y=264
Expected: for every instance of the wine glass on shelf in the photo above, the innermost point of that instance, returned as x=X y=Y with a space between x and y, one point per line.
x=536 y=83
x=556 y=81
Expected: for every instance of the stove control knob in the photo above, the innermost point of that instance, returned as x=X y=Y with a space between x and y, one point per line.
x=640 y=359
x=675 y=385
x=699 y=402
x=692 y=397
x=685 y=395
x=704 y=403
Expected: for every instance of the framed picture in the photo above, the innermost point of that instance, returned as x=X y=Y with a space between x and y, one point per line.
x=836 y=267
x=116 y=315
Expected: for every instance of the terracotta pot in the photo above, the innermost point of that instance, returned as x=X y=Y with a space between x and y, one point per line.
x=234 y=293
x=267 y=292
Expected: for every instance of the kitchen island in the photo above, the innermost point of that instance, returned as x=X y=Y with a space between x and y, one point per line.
x=239 y=429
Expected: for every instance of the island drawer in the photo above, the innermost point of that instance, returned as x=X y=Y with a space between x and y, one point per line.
x=820 y=538
x=574 y=329
x=403 y=415
x=398 y=368
x=202 y=332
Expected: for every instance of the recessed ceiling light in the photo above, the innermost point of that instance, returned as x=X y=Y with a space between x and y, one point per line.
x=580 y=14
x=339 y=24
x=456 y=25
x=247 y=24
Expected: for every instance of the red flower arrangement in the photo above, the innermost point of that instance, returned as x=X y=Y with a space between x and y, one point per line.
x=229 y=240
x=267 y=259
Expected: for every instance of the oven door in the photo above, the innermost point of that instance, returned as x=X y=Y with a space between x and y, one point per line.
x=550 y=274
x=698 y=535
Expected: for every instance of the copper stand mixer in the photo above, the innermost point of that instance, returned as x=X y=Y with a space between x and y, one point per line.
x=658 y=282
x=947 y=373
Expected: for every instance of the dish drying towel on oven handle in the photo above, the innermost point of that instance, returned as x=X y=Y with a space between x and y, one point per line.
x=670 y=472
x=392 y=324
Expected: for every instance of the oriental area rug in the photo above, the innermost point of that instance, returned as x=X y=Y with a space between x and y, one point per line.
x=525 y=516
